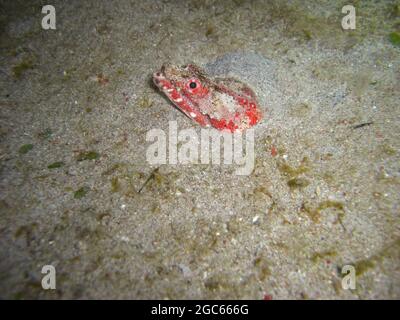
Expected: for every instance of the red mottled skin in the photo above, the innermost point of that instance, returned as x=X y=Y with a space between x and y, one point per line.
x=225 y=104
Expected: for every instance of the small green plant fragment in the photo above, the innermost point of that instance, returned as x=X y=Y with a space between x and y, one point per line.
x=300 y=110
x=25 y=148
x=87 y=155
x=263 y=268
x=209 y=31
x=394 y=38
x=155 y=208
x=153 y=176
x=80 y=193
x=144 y=102
x=115 y=186
x=287 y=170
x=396 y=10
x=387 y=150
x=331 y=204
x=46 y=134
x=322 y=255
x=315 y=214
x=20 y=68
x=298 y=183
x=307 y=34
x=25 y=230
x=56 y=165
x=363 y=265
x=239 y=2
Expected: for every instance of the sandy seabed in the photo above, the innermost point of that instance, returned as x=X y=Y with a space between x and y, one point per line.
x=77 y=102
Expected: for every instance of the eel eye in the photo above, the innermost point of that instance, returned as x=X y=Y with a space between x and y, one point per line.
x=194 y=86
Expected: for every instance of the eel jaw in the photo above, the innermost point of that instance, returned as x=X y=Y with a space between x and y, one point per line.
x=175 y=96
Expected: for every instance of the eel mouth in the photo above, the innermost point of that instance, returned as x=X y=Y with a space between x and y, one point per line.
x=165 y=79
